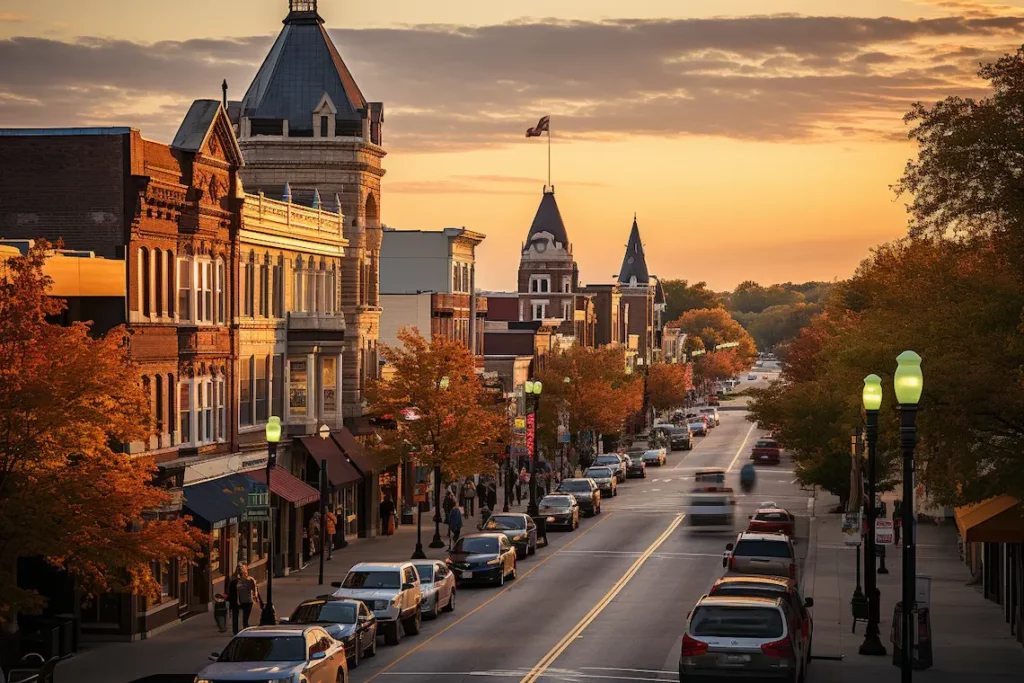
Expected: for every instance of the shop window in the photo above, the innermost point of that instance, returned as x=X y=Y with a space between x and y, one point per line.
x=165 y=576
x=329 y=382
x=297 y=388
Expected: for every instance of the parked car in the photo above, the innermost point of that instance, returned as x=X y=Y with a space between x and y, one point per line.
x=698 y=427
x=712 y=414
x=713 y=400
x=345 y=620
x=637 y=466
x=588 y=496
x=772 y=520
x=748 y=586
x=287 y=653
x=519 y=528
x=679 y=438
x=655 y=456
x=391 y=590
x=606 y=479
x=483 y=557
x=727 y=638
x=766 y=450
x=613 y=461
x=437 y=583
x=757 y=553
x=751 y=377
x=561 y=509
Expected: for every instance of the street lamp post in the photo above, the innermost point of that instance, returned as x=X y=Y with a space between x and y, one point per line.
x=268 y=617
x=418 y=554
x=533 y=390
x=872 y=400
x=437 y=541
x=908 y=383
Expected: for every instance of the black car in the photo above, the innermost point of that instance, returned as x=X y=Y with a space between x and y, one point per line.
x=586 y=492
x=348 y=621
x=679 y=438
x=637 y=466
x=483 y=557
x=561 y=510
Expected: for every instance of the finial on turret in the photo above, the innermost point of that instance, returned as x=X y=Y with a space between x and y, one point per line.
x=287 y=193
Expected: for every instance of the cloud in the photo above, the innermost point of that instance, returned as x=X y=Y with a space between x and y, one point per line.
x=12 y=17
x=445 y=88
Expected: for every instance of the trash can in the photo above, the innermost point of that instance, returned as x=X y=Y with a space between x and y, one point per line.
x=921 y=651
x=542 y=528
x=407 y=516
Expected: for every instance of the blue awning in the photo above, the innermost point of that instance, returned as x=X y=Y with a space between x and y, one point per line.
x=219 y=501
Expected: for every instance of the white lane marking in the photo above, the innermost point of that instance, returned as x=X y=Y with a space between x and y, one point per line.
x=635 y=671
x=629 y=553
x=740 y=449
x=655 y=489
x=792 y=481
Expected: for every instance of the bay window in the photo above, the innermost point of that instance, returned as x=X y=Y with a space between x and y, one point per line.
x=185 y=412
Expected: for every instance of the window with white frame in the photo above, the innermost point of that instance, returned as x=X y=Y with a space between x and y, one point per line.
x=465 y=278
x=222 y=301
x=456 y=284
x=204 y=291
x=566 y=310
x=566 y=283
x=257 y=380
x=185 y=412
x=185 y=288
x=540 y=310
x=202 y=410
x=540 y=283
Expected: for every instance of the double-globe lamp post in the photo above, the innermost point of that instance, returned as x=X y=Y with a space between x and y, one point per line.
x=533 y=389
x=437 y=541
x=268 y=617
x=872 y=401
x=908 y=383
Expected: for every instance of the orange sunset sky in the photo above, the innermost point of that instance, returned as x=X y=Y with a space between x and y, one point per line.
x=755 y=139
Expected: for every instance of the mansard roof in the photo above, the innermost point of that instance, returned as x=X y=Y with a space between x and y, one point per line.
x=549 y=220
x=634 y=265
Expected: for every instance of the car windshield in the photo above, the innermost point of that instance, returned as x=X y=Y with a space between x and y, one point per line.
x=771 y=517
x=766 y=444
x=599 y=473
x=637 y=457
x=575 y=485
x=759 y=548
x=709 y=502
x=331 y=612
x=736 y=622
x=555 y=502
x=651 y=454
x=264 y=649
x=607 y=460
x=426 y=572
x=505 y=522
x=697 y=424
x=476 y=546
x=372 y=579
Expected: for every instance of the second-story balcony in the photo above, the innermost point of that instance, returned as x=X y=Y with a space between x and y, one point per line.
x=316 y=321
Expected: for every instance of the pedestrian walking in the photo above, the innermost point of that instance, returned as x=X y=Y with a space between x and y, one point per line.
x=331 y=520
x=448 y=504
x=492 y=495
x=454 y=525
x=481 y=492
x=387 y=516
x=220 y=612
x=314 y=534
x=242 y=594
x=469 y=496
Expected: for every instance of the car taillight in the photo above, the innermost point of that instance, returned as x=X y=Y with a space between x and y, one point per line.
x=779 y=649
x=732 y=562
x=792 y=570
x=693 y=647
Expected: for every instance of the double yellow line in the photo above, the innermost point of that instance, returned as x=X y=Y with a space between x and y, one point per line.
x=549 y=659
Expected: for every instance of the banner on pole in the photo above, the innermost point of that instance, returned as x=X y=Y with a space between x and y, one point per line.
x=851 y=528
x=884 y=532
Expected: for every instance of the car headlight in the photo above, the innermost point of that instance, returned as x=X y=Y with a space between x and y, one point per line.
x=520 y=537
x=496 y=560
x=380 y=604
x=550 y=519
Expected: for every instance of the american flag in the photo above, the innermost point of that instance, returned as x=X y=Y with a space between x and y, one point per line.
x=543 y=126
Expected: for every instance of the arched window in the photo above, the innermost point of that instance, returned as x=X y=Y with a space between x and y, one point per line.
x=265 y=286
x=144 y=282
x=148 y=388
x=158 y=279
x=170 y=283
x=298 y=298
x=171 y=413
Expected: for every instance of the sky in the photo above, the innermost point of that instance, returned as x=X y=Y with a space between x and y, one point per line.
x=754 y=139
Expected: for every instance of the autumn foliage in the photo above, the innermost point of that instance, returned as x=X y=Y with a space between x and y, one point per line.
x=707 y=328
x=453 y=426
x=67 y=492
x=667 y=385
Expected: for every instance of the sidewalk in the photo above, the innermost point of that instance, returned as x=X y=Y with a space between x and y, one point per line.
x=185 y=648
x=971 y=639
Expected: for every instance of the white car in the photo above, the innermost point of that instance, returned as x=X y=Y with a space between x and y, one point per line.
x=437 y=584
x=285 y=654
x=391 y=590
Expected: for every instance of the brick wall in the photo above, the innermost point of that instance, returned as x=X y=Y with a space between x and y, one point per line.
x=70 y=187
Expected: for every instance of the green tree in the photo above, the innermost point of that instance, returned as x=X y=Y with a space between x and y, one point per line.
x=750 y=297
x=681 y=296
x=714 y=326
x=776 y=324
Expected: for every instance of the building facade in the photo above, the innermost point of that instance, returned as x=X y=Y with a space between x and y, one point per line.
x=638 y=290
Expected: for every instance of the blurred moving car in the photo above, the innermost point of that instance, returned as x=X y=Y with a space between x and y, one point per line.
x=437 y=583
x=772 y=520
x=279 y=653
x=712 y=413
x=637 y=466
x=728 y=638
x=613 y=461
x=348 y=621
x=766 y=450
x=747 y=586
x=751 y=377
x=519 y=528
x=655 y=456
x=588 y=496
x=711 y=509
x=483 y=557
x=698 y=427
x=756 y=553
x=605 y=478
x=391 y=590
x=561 y=510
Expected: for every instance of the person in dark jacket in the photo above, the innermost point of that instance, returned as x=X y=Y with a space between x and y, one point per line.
x=387 y=516
x=242 y=594
x=492 y=496
x=481 y=492
x=455 y=525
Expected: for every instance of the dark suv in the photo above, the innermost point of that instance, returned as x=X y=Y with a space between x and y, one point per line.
x=587 y=494
x=679 y=438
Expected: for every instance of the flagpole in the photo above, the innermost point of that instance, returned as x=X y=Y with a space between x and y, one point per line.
x=549 y=155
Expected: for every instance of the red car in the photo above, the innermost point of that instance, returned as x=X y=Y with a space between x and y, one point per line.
x=772 y=520
x=766 y=450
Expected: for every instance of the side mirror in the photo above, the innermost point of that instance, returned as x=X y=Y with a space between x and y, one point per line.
x=408 y=586
x=335 y=584
x=729 y=547
x=750 y=516
x=808 y=602
x=317 y=656
x=214 y=656
x=283 y=620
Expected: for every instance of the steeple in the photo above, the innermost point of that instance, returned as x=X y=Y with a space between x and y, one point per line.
x=548 y=220
x=634 y=265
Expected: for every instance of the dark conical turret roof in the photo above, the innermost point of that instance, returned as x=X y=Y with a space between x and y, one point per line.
x=549 y=219
x=633 y=263
x=302 y=66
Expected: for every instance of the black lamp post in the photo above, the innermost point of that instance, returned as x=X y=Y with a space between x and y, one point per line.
x=268 y=617
x=908 y=383
x=437 y=541
x=533 y=390
x=418 y=554
x=872 y=400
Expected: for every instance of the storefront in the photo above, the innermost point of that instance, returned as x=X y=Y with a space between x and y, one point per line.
x=361 y=503
x=289 y=499
x=344 y=479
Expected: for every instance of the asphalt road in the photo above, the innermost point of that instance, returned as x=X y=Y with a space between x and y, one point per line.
x=607 y=602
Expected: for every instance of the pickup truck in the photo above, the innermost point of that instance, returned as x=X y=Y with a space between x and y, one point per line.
x=766 y=450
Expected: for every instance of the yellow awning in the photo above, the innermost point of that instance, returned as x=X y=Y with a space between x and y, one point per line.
x=996 y=520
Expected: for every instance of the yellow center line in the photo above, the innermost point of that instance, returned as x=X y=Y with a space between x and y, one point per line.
x=549 y=659
x=742 y=446
x=682 y=460
x=491 y=599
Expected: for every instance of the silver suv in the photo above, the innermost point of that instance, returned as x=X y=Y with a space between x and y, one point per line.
x=755 y=553
x=391 y=590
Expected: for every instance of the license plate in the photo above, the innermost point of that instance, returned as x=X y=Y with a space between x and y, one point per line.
x=734 y=659
x=465 y=574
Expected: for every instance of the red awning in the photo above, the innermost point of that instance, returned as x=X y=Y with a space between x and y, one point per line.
x=291 y=488
x=354 y=450
x=339 y=470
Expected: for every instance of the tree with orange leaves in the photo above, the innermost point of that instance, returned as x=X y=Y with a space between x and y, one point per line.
x=667 y=384
x=707 y=328
x=444 y=416
x=67 y=493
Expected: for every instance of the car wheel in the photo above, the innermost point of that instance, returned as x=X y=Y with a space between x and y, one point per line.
x=450 y=607
x=501 y=577
x=393 y=636
x=532 y=549
x=340 y=678
x=514 y=574
x=432 y=614
x=354 y=662
x=412 y=624
x=615 y=492
x=372 y=650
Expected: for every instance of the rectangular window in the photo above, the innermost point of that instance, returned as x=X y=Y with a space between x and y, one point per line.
x=329 y=382
x=264 y=290
x=245 y=367
x=201 y=433
x=222 y=302
x=185 y=289
x=277 y=385
x=566 y=310
x=299 y=299
x=297 y=375
x=275 y=302
x=208 y=406
x=205 y=292
x=323 y=126
x=261 y=389
x=310 y=289
x=222 y=422
x=247 y=290
x=185 y=412
x=332 y=291
x=540 y=311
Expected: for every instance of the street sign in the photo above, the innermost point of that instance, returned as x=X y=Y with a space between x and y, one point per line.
x=851 y=528
x=261 y=514
x=884 y=532
x=520 y=425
